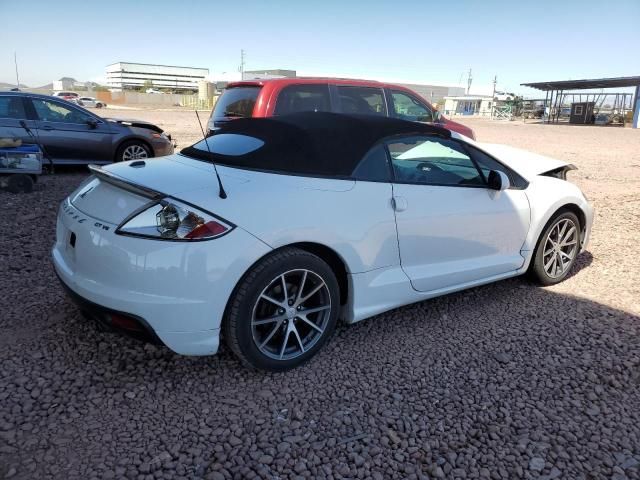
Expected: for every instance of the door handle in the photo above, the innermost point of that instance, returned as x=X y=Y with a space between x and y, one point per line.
x=47 y=127
x=399 y=203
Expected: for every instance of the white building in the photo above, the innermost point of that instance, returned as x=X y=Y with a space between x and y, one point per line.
x=468 y=105
x=66 y=83
x=126 y=76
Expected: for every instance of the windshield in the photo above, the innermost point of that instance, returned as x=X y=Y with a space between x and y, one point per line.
x=236 y=102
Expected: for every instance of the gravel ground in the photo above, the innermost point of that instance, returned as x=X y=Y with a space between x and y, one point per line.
x=505 y=381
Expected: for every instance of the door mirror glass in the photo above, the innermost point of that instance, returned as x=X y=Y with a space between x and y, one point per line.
x=498 y=180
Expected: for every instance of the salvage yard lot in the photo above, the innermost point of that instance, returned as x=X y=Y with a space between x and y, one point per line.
x=503 y=381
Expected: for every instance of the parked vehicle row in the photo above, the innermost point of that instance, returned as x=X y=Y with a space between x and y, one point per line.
x=69 y=134
x=313 y=217
x=267 y=98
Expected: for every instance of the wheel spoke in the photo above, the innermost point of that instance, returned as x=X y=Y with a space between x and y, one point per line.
x=273 y=331
x=561 y=231
x=263 y=321
x=266 y=297
x=284 y=343
x=307 y=311
x=295 y=332
x=284 y=290
x=301 y=288
x=310 y=323
x=570 y=257
x=559 y=264
x=549 y=264
x=312 y=293
x=567 y=236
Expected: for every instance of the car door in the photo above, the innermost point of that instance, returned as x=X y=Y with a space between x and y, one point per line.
x=452 y=229
x=12 y=113
x=70 y=134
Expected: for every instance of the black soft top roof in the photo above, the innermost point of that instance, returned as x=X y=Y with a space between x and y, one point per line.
x=311 y=143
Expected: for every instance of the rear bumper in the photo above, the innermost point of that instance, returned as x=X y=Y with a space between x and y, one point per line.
x=109 y=319
x=177 y=291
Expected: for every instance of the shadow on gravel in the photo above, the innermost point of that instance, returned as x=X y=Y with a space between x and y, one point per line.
x=509 y=378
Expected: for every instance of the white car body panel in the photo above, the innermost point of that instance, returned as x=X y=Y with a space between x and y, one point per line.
x=452 y=235
x=446 y=238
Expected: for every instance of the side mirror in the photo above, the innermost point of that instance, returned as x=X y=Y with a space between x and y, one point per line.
x=437 y=117
x=498 y=180
x=92 y=123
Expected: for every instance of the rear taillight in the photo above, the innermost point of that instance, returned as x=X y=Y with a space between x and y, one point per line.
x=170 y=219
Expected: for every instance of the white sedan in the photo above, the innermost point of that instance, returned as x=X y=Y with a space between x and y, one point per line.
x=90 y=102
x=314 y=217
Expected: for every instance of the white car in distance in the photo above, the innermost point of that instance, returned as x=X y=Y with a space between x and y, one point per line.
x=314 y=217
x=90 y=102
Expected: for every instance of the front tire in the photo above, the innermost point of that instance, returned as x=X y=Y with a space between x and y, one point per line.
x=133 y=150
x=557 y=249
x=283 y=310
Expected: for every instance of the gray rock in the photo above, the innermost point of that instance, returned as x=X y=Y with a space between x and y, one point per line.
x=537 y=464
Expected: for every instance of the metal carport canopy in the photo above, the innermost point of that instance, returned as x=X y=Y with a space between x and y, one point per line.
x=585 y=84
x=588 y=84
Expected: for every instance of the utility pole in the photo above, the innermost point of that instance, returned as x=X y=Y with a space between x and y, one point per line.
x=493 y=96
x=469 y=80
x=241 y=64
x=15 y=60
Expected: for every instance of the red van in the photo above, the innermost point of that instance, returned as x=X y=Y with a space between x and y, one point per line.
x=266 y=98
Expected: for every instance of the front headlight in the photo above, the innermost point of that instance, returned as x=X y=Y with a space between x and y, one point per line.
x=170 y=219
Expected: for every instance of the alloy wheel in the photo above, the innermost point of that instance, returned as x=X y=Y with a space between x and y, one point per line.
x=291 y=314
x=560 y=248
x=134 y=152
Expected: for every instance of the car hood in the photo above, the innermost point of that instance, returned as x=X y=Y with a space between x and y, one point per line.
x=130 y=122
x=527 y=164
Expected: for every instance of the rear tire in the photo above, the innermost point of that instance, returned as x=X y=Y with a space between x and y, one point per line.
x=282 y=311
x=557 y=249
x=133 y=150
x=20 y=183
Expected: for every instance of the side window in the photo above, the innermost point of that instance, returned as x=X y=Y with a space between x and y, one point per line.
x=432 y=161
x=374 y=167
x=12 y=107
x=54 y=112
x=303 y=98
x=362 y=100
x=408 y=108
x=487 y=163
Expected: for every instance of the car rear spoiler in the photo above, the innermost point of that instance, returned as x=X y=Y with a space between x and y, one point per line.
x=125 y=184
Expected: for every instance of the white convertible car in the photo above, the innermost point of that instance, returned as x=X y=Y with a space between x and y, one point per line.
x=273 y=228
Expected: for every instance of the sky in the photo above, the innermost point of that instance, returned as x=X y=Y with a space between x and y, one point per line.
x=432 y=42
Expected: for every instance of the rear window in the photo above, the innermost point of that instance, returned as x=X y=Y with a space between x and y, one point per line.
x=303 y=98
x=236 y=102
x=229 y=144
x=12 y=107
